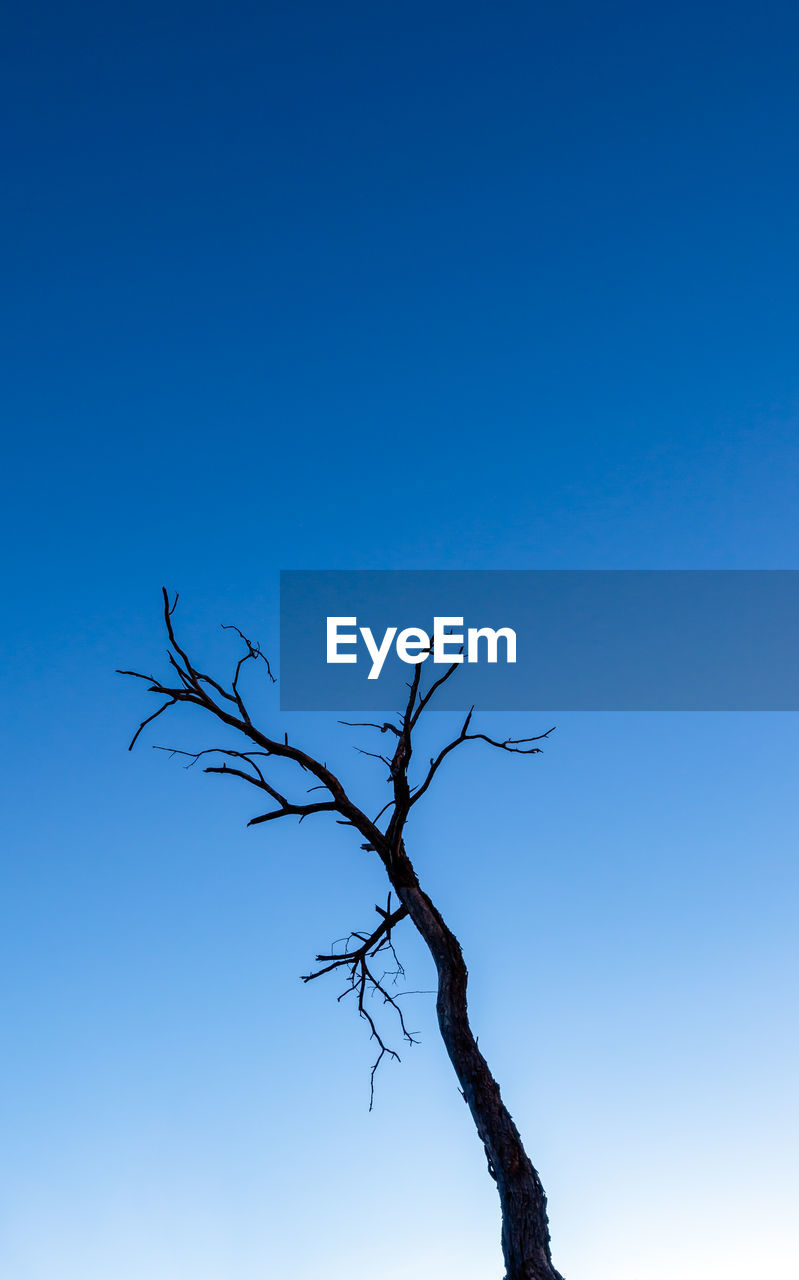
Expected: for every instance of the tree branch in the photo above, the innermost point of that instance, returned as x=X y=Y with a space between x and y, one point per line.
x=196 y=687
x=517 y=746
x=361 y=980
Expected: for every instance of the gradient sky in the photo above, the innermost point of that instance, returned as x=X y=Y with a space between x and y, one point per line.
x=381 y=286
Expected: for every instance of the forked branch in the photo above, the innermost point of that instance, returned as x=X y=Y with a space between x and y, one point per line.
x=363 y=982
x=517 y=746
x=228 y=707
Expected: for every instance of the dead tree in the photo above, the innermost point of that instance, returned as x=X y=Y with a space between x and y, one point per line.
x=525 y=1229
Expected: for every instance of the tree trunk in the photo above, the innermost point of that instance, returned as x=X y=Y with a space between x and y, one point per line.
x=525 y=1228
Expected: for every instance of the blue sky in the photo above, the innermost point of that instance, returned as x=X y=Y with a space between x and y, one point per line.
x=435 y=286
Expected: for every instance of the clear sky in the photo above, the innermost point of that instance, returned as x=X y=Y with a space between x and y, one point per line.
x=378 y=286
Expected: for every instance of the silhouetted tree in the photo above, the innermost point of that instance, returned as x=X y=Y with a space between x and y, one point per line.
x=525 y=1229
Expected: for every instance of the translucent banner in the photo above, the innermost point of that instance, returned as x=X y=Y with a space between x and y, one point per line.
x=539 y=640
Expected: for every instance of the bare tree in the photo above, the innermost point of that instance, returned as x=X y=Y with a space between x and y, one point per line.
x=525 y=1229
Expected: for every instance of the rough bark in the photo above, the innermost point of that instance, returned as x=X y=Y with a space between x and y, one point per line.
x=523 y=1203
